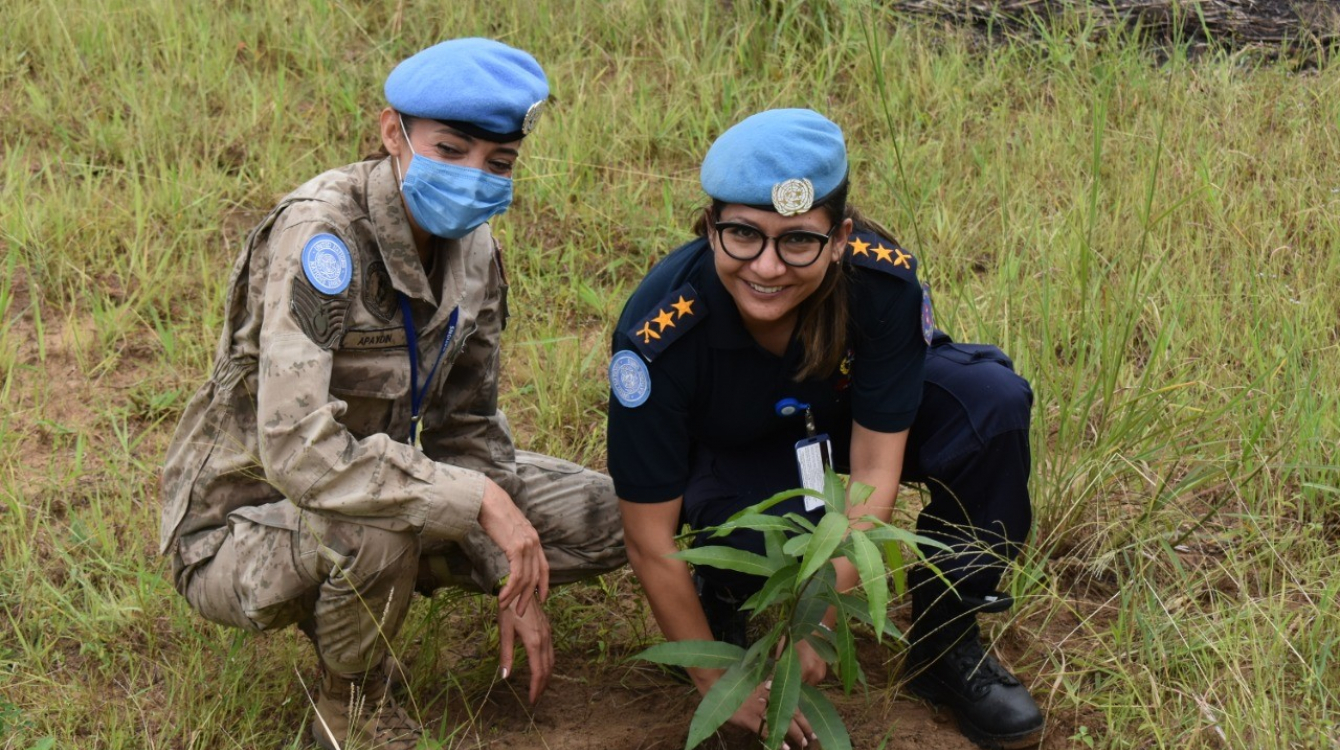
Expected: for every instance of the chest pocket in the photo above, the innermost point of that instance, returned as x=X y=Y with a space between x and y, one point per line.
x=372 y=383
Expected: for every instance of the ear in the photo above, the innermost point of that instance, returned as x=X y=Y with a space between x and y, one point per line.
x=839 y=241
x=392 y=138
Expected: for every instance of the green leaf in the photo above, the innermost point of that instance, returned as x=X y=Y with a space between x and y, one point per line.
x=781 y=582
x=884 y=533
x=835 y=492
x=706 y=654
x=818 y=594
x=800 y=520
x=826 y=539
x=849 y=669
x=865 y=556
x=819 y=641
x=858 y=493
x=824 y=719
x=854 y=607
x=772 y=544
x=893 y=556
x=729 y=558
x=760 y=507
x=795 y=546
x=722 y=700
x=756 y=522
x=784 y=696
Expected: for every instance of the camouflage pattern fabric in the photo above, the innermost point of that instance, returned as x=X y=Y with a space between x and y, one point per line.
x=303 y=424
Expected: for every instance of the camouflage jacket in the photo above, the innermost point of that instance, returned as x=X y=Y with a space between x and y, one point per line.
x=309 y=398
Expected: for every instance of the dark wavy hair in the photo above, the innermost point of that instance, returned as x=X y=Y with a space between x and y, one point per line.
x=823 y=315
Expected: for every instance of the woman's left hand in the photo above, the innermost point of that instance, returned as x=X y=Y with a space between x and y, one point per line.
x=533 y=628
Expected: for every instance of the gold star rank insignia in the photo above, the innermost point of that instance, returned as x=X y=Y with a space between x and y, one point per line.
x=866 y=249
x=660 y=326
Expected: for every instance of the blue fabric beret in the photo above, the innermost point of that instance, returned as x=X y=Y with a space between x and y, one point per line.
x=786 y=158
x=496 y=88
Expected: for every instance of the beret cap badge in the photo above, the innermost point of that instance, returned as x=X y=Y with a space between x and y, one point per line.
x=532 y=117
x=794 y=196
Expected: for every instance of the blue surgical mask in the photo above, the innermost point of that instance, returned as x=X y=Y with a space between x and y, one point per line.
x=450 y=201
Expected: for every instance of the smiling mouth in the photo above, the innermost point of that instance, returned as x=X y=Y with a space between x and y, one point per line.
x=764 y=289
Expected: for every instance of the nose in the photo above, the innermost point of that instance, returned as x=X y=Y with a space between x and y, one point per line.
x=769 y=264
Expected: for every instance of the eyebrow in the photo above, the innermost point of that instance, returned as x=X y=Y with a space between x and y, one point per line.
x=470 y=139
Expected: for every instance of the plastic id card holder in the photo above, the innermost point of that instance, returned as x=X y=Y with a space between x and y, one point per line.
x=813 y=456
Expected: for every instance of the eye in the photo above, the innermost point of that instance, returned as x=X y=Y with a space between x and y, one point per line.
x=501 y=166
x=741 y=232
x=448 y=150
x=799 y=239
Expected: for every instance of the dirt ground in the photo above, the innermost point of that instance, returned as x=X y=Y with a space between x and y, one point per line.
x=637 y=706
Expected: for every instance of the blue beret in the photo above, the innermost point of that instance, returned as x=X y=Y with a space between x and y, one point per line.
x=787 y=158
x=495 y=88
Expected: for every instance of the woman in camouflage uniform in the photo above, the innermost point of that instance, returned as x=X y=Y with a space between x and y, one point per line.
x=347 y=447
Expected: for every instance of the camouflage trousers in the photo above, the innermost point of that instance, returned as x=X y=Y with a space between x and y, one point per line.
x=347 y=581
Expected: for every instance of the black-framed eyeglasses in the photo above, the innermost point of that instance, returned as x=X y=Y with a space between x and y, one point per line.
x=797 y=248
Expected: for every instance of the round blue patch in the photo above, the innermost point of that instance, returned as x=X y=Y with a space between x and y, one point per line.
x=629 y=379
x=327 y=263
x=927 y=315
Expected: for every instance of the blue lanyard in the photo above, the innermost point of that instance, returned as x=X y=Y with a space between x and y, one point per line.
x=416 y=396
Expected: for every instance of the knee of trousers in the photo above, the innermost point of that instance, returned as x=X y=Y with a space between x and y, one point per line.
x=360 y=554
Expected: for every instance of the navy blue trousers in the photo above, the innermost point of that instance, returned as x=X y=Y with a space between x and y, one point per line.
x=968 y=446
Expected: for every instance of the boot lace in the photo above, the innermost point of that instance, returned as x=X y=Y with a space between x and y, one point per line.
x=979 y=669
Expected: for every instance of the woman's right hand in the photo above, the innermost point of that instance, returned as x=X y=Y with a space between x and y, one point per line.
x=506 y=525
x=750 y=715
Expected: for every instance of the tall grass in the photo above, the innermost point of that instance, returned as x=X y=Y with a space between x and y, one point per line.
x=1155 y=242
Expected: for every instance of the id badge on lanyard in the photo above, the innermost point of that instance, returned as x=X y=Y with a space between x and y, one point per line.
x=814 y=454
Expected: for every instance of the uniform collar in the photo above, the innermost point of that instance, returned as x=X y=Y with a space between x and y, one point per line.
x=395 y=240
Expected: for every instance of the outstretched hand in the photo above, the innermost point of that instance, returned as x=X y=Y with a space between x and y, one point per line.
x=533 y=629
x=528 y=570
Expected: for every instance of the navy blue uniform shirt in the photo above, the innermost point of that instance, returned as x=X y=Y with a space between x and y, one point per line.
x=713 y=386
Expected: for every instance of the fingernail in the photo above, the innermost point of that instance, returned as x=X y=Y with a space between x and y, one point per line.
x=504 y=672
x=767 y=685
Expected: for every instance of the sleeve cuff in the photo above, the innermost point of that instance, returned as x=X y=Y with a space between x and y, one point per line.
x=454 y=508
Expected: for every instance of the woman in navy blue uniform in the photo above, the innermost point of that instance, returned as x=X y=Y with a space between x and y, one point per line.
x=790 y=296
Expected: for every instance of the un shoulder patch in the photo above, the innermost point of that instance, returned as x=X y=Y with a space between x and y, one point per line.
x=629 y=379
x=927 y=314
x=327 y=263
x=669 y=320
x=869 y=250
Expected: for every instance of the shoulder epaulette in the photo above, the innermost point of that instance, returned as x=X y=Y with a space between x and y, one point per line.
x=671 y=317
x=870 y=250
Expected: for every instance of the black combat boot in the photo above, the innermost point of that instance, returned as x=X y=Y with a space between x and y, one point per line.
x=947 y=665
